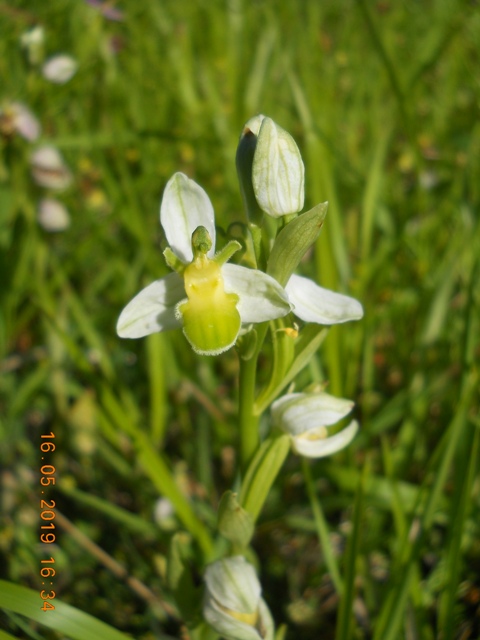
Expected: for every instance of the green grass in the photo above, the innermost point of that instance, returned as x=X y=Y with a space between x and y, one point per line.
x=382 y=99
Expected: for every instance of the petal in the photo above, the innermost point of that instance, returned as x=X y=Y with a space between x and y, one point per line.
x=153 y=309
x=185 y=206
x=261 y=297
x=313 y=303
x=298 y=413
x=326 y=446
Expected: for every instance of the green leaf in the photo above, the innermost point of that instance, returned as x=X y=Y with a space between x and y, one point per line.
x=66 y=619
x=293 y=241
x=6 y=636
x=262 y=472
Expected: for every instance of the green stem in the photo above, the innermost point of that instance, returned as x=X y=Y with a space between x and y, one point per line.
x=247 y=421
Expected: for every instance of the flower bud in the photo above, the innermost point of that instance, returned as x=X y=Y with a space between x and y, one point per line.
x=233 y=605
x=277 y=170
x=307 y=417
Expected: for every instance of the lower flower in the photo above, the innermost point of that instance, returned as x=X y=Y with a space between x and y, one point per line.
x=307 y=418
x=233 y=605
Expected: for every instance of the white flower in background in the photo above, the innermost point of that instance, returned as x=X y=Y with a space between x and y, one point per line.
x=313 y=303
x=278 y=174
x=307 y=417
x=49 y=169
x=52 y=215
x=164 y=514
x=59 y=69
x=208 y=297
x=15 y=117
x=233 y=605
x=32 y=41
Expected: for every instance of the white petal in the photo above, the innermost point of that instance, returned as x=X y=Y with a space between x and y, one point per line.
x=313 y=303
x=153 y=309
x=327 y=446
x=261 y=297
x=185 y=206
x=297 y=413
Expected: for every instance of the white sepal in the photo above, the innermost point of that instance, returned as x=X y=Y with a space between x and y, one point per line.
x=313 y=303
x=185 y=206
x=153 y=309
x=261 y=298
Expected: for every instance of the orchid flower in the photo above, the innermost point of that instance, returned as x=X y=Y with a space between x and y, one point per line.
x=307 y=417
x=209 y=298
x=233 y=605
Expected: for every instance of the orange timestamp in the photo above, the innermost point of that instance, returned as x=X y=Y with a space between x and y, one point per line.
x=47 y=517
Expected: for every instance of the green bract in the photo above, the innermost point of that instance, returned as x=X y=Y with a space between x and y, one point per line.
x=209 y=298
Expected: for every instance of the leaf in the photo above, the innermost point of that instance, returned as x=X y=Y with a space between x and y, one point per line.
x=293 y=241
x=262 y=472
x=66 y=619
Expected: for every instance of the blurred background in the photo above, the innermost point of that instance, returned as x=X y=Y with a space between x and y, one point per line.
x=100 y=103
